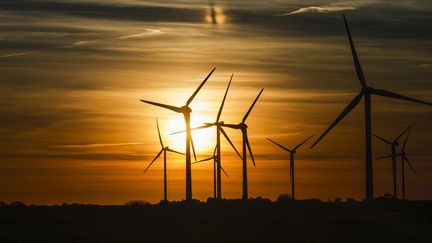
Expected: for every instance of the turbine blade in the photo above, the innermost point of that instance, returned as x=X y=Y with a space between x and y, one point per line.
x=382 y=139
x=229 y=140
x=252 y=106
x=389 y=94
x=300 y=144
x=281 y=146
x=404 y=131
x=223 y=170
x=250 y=150
x=203 y=160
x=173 y=151
x=356 y=60
x=410 y=165
x=233 y=126
x=157 y=156
x=169 y=107
x=345 y=112
x=199 y=87
x=384 y=157
x=160 y=138
x=214 y=151
x=192 y=129
x=224 y=98
x=193 y=148
x=405 y=142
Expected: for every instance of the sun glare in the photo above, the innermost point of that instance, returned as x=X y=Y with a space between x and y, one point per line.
x=215 y=15
x=204 y=139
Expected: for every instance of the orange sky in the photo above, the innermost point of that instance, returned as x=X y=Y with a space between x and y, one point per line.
x=74 y=130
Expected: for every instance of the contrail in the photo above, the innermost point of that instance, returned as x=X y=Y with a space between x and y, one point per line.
x=331 y=7
x=19 y=54
x=87 y=42
x=97 y=145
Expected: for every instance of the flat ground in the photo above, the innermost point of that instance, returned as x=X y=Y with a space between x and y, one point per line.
x=229 y=221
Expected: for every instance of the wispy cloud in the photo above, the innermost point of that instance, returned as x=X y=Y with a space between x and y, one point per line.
x=18 y=54
x=147 y=32
x=96 y=145
x=331 y=7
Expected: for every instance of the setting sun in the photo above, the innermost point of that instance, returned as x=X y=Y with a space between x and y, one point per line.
x=204 y=139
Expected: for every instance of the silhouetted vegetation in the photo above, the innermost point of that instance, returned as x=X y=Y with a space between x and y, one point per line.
x=229 y=220
x=136 y=203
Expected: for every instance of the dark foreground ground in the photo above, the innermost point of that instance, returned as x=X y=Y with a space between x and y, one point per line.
x=229 y=221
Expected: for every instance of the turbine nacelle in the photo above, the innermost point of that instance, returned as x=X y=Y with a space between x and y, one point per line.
x=185 y=109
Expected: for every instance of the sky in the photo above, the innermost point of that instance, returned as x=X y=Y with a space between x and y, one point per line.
x=73 y=72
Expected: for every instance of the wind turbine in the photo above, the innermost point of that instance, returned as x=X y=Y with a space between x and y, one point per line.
x=186 y=111
x=215 y=164
x=365 y=92
x=219 y=130
x=292 y=153
x=245 y=143
x=393 y=156
x=405 y=159
x=164 y=150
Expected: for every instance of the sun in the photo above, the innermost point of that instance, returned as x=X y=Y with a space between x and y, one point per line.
x=204 y=139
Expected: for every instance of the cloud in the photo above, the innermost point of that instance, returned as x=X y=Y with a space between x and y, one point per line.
x=88 y=42
x=121 y=37
x=97 y=145
x=18 y=54
x=331 y=7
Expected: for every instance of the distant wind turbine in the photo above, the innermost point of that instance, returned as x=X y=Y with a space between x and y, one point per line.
x=164 y=150
x=245 y=143
x=366 y=92
x=186 y=111
x=405 y=160
x=404 y=157
x=393 y=156
x=219 y=130
x=215 y=164
x=292 y=154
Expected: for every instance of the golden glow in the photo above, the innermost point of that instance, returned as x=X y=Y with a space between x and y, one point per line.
x=204 y=139
x=215 y=15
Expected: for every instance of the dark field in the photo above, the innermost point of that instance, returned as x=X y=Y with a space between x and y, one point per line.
x=228 y=221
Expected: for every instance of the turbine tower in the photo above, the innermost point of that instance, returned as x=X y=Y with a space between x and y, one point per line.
x=219 y=130
x=366 y=92
x=393 y=156
x=215 y=164
x=245 y=143
x=164 y=150
x=292 y=154
x=186 y=111
x=405 y=159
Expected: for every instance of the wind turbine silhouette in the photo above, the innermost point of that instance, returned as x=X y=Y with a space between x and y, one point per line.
x=164 y=150
x=219 y=130
x=215 y=164
x=245 y=143
x=404 y=157
x=393 y=156
x=292 y=153
x=186 y=111
x=366 y=92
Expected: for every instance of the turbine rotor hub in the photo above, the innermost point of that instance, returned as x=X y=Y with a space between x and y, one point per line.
x=186 y=109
